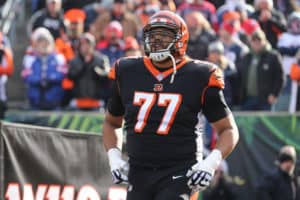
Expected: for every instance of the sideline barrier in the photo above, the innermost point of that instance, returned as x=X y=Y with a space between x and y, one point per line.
x=38 y=163
x=90 y=122
x=261 y=136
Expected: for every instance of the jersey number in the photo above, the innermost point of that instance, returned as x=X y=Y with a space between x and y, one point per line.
x=147 y=100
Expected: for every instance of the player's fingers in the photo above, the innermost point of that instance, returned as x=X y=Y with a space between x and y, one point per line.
x=117 y=176
x=189 y=173
x=125 y=167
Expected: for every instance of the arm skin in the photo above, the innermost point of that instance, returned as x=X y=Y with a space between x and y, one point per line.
x=228 y=134
x=111 y=123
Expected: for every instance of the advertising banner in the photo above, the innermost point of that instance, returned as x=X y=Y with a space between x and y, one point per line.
x=58 y=155
x=44 y=163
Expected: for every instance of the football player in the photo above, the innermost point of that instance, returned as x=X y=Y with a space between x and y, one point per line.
x=161 y=98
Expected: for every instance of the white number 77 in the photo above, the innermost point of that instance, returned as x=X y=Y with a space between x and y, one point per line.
x=147 y=100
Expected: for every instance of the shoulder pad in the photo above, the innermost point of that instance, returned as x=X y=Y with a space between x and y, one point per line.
x=122 y=64
x=216 y=78
x=213 y=74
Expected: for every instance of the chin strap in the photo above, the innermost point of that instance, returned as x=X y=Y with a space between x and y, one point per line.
x=163 y=55
x=174 y=68
x=166 y=54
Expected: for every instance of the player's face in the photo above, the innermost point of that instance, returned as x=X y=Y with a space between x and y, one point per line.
x=160 y=38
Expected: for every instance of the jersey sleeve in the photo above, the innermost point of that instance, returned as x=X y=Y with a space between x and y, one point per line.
x=215 y=107
x=213 y=101
x=216 y=78
x=115 y=105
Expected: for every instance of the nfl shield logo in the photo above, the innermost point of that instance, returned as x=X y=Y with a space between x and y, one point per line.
x=158 y=87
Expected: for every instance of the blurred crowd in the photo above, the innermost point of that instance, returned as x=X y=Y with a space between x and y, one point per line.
x=74 y=43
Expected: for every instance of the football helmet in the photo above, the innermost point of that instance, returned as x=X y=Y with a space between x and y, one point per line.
x=174 y=36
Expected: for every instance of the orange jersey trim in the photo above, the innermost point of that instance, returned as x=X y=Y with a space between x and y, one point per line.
x=216 y=79
x=156 y=73
x=112 y=73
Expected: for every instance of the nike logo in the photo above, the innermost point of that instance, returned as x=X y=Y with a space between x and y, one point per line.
x=176 y=177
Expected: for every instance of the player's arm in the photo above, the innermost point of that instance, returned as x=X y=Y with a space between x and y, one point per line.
x=119 y=167
x=220 y=117
x=111 y=123
x=113 y=120
x=228 y=134
x=114 y=114
x=218 y=113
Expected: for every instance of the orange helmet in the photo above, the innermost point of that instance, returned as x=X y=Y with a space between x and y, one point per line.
x=173 y=22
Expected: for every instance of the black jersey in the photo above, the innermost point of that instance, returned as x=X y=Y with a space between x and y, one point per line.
x=163 y=119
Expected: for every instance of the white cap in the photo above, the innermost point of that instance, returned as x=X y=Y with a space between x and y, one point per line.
x=42 y=33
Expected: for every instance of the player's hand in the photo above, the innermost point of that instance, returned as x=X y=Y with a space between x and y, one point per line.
x=201 y=173
x=119 y=168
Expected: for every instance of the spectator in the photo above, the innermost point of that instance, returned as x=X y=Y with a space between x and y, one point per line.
x=281 y=183
x=37 y=5
x=235 y=49
x=51 y=18
x=6 y=69
x=68 y=43
x=217 y=3
x=71 y=4
x=286 y=6
x=92 y=11
x=179 y=3
x=288 y=46
x=201 y=34
x=238 y=19
x=260 y=74
x=146 y=9
x=203 y=6
x=221 y=187
x=43 y=72
x=271 y=21
x=130 y=23
x=295 y=78
x=113 y=43
x=234 y=5
x=132 y=48
x=168 y=5
x=234 y=42
x=216 y=56
x=248 y=27
x=87 y=76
